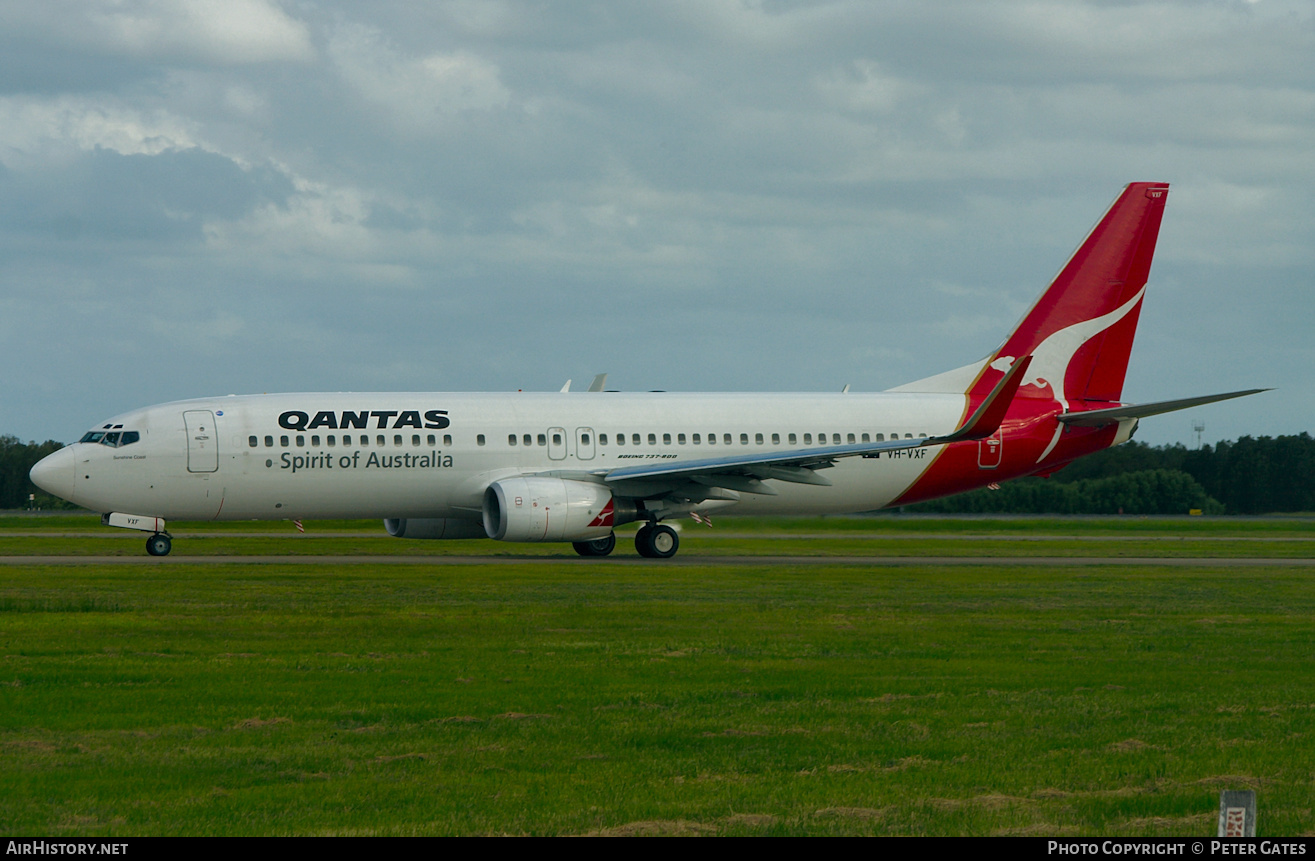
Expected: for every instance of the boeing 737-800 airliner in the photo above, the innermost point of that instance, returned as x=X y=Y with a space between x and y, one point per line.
x=571 y=466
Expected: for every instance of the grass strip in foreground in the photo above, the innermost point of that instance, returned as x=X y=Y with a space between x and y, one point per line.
x=577 y=698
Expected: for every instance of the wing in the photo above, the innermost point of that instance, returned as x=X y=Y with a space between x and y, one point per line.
x=747 y=472
x=1097 y=418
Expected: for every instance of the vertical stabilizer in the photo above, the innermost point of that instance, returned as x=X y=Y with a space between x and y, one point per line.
x=1080 y=331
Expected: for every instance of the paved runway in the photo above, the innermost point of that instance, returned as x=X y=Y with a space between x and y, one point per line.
x=773 y=536
x=686 y=560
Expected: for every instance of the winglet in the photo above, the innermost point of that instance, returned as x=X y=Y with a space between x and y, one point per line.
x=600 y=380
x=988 y=416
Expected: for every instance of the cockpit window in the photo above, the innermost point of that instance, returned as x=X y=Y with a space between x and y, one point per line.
x=113 y=439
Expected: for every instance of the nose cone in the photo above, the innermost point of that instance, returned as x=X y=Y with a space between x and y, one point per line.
x=55 y=473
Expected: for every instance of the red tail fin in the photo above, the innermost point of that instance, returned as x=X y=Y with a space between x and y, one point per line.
x=1080 y=331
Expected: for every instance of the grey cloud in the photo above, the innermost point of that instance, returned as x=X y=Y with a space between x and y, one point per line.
x=699 y=195
x=106 y=195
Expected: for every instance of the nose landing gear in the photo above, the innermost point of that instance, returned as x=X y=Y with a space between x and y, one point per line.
x=159 y=544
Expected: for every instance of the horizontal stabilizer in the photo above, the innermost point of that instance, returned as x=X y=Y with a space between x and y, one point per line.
x=1097 y=418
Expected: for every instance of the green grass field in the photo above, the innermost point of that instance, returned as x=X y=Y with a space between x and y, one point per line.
x=588 y=696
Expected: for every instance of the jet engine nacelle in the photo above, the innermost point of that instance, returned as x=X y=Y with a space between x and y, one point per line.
x=535 y=508
x=433 y=527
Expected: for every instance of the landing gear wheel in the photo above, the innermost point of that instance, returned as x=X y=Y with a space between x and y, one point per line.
x=657 y=541
x=159 y=545
x=642 y=537
x=597 y=547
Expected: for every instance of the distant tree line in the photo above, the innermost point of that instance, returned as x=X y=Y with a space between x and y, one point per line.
x=16 y=460
x=1249 y=476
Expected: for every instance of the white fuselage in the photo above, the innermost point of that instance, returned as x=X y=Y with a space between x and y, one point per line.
x=432 y=455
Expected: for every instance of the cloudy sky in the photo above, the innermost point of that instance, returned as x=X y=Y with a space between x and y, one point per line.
x=209 y=196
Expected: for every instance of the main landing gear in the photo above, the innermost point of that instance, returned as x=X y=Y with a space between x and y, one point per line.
x=657 y=541
x=653 y=541
x=597 y=547
x=159 y=544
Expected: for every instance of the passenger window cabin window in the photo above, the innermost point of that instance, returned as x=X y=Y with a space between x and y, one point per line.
x=634 y=439
x=431 y=440
x=301 y=441
x=758 y=438
x=543 y=439
x=379 y=440
x=527 y=439
x=447 y=439
x=620 y=439
x=252 y=441
x=511 y=439
x=584 y=439
x=712 y=439
x=652 y=439
x=808 y=439
x=726 y=438
x=415 y=440
x=315 y=439
x=881 y=437
x=793 y=439
x=666 y=439
x=835 y=439
x=680 y=439
x=697 y=439
x=602 y=439
x=866 y=438
x=397 y=439
x=479 y=439
x=556 y=439
x=269 y=442
x=283 y=441
x=331 y=439
x=744 y=439
x=776 y=439
x=850 y=438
